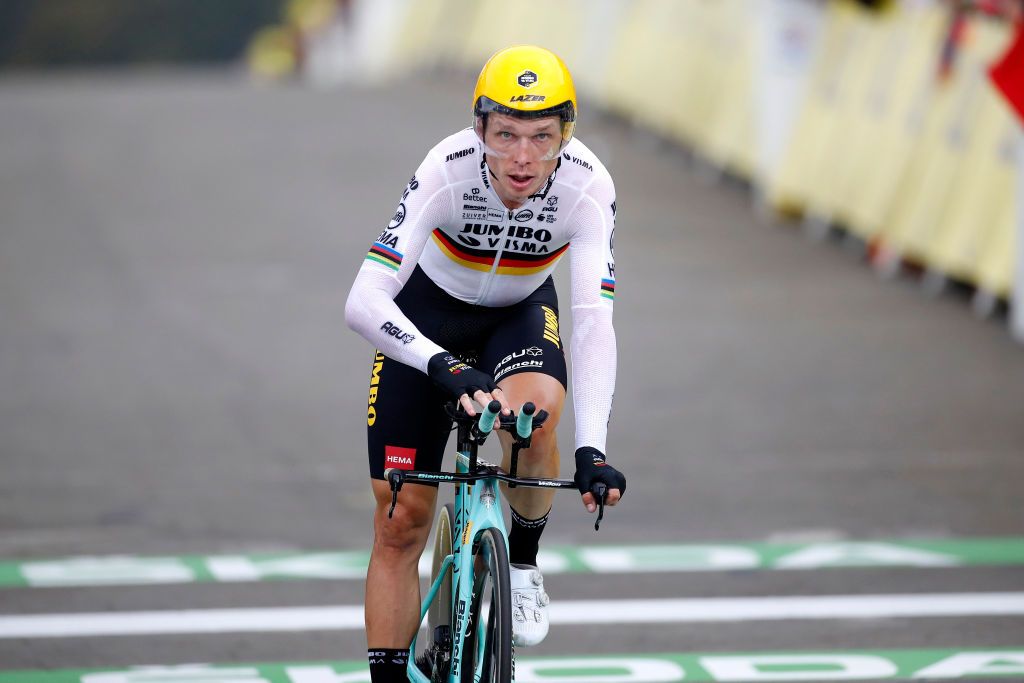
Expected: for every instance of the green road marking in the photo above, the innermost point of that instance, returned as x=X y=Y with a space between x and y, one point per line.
x=853 y=665
x=132 y=569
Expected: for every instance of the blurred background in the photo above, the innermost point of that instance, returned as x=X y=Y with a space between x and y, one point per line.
x=820 y=367
x=70 y=33
x=893 y=100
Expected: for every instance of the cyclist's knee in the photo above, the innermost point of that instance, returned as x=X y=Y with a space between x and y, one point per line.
x=540 y=459
x=544 y=391
x=405 y=531
x=544 y=442
x=545 y=439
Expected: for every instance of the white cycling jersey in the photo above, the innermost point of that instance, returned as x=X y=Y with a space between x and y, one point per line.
x=451 y=222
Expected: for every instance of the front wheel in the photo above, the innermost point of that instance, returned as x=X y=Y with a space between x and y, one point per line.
x=488 y=648
x=439 y=616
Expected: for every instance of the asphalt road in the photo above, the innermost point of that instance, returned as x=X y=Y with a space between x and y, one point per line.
x=177 y=377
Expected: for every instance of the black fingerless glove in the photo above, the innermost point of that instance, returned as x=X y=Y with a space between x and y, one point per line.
x=592 y=469
x=458 y=378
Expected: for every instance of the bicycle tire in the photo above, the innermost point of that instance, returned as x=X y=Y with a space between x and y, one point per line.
x=491 y=581
x=439 y=614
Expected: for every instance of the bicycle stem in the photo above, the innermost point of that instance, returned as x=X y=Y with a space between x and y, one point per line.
x=472 y=434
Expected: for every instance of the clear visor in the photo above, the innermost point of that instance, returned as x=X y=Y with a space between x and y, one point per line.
x=536 y=136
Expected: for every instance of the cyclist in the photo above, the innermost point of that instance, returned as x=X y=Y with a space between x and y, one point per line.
x=457 y=296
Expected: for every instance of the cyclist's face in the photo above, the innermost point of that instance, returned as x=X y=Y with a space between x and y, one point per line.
x=522 y=154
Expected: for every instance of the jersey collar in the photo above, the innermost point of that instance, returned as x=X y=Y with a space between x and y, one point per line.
x=547 y=186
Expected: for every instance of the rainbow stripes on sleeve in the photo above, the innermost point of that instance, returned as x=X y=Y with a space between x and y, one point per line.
x=384 y=256
x=608 y=288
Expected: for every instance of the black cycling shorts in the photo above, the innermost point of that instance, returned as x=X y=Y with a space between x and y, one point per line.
x=407 y=426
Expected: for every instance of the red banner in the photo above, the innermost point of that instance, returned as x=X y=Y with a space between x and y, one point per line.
x=1008 y=72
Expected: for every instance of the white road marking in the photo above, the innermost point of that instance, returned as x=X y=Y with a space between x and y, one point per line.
x=347 y=617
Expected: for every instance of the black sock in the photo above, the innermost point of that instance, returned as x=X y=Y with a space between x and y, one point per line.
x=524 y=538
x=387 y=665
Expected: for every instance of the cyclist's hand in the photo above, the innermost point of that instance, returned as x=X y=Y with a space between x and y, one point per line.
x=462 y=382
x=591 y=469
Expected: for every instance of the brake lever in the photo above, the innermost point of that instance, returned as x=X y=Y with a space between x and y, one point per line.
x=395 y=479
x=600 y=492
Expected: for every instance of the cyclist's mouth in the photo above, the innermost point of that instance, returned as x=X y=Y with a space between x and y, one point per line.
x=520 y=182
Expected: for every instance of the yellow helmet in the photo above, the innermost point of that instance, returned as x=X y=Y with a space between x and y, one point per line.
x=527 y=82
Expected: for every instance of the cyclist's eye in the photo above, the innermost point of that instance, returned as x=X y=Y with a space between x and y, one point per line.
x=542 y=137
x=505 y=135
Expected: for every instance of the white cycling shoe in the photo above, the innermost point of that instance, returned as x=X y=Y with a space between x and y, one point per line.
x=529 y=605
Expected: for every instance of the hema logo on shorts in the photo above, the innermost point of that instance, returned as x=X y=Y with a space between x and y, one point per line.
x=399 y=458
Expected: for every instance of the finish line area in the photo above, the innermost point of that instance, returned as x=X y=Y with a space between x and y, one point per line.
x=611 y=612
x=337 y=565
x=914 y=611
x=895 y=665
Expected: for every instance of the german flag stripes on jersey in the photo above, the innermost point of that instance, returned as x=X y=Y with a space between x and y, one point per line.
x=508 y=263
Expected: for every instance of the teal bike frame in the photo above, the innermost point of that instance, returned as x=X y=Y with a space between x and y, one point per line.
x=477 y=508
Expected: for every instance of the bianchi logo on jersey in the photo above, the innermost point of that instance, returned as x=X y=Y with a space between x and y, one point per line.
x=474 y=212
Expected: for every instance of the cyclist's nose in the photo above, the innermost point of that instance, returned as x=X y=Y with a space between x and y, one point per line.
x=523 y=153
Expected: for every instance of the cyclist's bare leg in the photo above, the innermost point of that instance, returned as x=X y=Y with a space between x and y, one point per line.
x=392 y=579
x=541 y=458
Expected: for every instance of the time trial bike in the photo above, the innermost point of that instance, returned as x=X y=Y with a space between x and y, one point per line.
x=469 y=606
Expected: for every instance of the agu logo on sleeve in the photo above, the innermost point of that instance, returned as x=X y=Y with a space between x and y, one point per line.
x=399 y=458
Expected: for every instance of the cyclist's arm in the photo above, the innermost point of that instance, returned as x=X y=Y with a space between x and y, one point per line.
x=592 y=348
x=371 y=310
